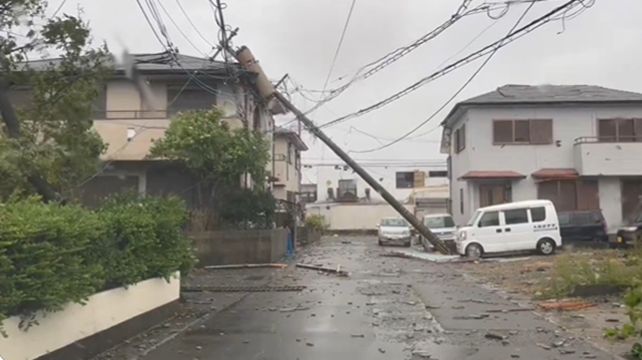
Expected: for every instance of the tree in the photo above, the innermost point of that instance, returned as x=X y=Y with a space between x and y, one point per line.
x=48 y=145
x=220 y=157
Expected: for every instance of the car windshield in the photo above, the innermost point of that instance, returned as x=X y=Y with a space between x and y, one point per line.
x=439 y=222
x=474 y=218
x=394 y=222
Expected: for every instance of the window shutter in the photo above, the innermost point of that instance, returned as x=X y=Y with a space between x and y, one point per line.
x=606 y=130
x=502 y=131
x=541 y=131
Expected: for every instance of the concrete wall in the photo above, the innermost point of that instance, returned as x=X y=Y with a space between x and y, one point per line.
x=287 y=173
x=346 y=216
x=569 y=123
x=75 y=322
x=611 y=201
x=239 y=246
x=621 y=158
x=329 y=176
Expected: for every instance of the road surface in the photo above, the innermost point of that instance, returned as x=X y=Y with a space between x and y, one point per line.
x=388 y=308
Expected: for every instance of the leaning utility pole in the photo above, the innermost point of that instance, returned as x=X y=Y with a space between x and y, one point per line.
x=418 y=225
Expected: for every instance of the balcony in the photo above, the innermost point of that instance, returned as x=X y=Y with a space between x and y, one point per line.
x=596 y=156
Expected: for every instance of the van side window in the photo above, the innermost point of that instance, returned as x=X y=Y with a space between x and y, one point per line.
x=516 y=216
x=538 y=214
x=489 y=219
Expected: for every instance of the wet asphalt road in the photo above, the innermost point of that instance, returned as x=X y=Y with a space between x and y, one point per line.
x=388 y=308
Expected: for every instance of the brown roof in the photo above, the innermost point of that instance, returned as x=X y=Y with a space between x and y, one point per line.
x=492 y=175
x=555 y=174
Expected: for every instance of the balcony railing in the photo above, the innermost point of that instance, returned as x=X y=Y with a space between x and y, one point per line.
x=132 y=114
x=608 y=139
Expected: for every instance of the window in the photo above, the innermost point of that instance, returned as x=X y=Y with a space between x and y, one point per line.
x=185 y=99
x=460 y=139
x=535 y=131
x=516 y=216
x=619 y=130
x=461 y=201
x=489 y=219
x=439 y=222
x=405 y=180
x=437 y=173
x=538 y=214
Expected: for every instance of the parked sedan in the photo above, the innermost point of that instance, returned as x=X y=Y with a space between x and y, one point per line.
x=631 y=234
x=394 y=231
x=441 y=225
x=583 y=227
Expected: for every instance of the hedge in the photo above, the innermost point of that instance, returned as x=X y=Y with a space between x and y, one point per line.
x=52 y=254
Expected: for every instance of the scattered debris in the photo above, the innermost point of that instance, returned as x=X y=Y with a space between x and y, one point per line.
x=346 y=242
x=337 y=271
x=508 y=310
x=245 y=266
x=559 y=343
x=357 y=335
x=198 y=347
x=543 y=346
x=292 y=309
x=566 y=351
x=309 y=344
x=565 y=305
x=282 y=288
x=514 y=356
x=494 y=336
x=471 y=317
x=612 y=320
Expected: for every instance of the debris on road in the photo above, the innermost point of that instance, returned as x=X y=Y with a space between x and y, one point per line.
x=495 y=336
x=471 y=317
x=543 y=346
x=242 y=288
x=292 y=309
x=565 y=305
x=337 y=271
x=245 y=266
x=509 y=310
x=357 y=335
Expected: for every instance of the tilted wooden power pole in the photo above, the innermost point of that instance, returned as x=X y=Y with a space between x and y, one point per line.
x=416 y=223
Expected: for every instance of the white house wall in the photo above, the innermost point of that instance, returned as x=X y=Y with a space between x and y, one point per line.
x=328 y=176
x=569 y=123
x=346 y=216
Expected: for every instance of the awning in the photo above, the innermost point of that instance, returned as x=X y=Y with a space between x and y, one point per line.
x=492 y=175
x=555 y=174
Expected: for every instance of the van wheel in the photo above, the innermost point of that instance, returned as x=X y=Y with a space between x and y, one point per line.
x=546 y=247
x=474 y=251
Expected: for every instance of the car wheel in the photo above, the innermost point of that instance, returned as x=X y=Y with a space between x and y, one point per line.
x=546 y=247
x=380 y=243
x=474 y=251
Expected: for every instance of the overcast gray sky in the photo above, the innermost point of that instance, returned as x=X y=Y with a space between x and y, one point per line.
x=600 y=47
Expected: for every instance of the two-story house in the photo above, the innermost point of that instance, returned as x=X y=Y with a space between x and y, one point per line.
x=287 y=164
x=128 y=123
x=577 y=145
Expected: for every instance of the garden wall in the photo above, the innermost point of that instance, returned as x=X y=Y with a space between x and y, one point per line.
x=239 y=246
x=80 y=331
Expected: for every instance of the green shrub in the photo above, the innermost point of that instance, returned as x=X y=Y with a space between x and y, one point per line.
x=316 y=222
x=45 y=252
x=144 y=239
x=52 y=254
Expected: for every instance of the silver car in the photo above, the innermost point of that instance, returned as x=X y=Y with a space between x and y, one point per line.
x=394 y=231
x=442 y=225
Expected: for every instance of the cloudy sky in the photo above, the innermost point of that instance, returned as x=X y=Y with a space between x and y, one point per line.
x=299 y=37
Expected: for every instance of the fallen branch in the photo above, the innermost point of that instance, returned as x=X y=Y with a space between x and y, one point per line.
x=245 y=266
x=565 y=305
x=337 y=271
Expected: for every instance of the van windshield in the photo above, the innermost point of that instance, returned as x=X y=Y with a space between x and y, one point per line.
x=474 y=218
x=439 y=222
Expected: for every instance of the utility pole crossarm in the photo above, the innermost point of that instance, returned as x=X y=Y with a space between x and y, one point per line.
x=418 y=225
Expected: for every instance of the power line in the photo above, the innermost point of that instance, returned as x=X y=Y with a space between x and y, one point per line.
x=461 y=88
x=62 y=3
x=336 y=51
x=189 y=20
x=379 y=64
x=189 y=41
x=514 y=35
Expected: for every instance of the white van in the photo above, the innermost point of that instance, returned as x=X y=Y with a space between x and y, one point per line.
x=524 y=225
